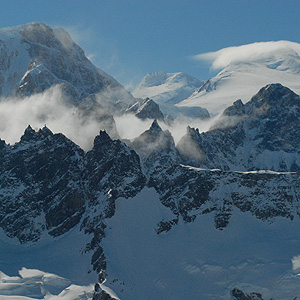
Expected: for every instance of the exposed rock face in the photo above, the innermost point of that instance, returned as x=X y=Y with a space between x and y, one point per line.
x=156 y=148
x=47 y=182
x=189 y=192
x=262 y=134
x=146 y=109
x=239 y=295
x=41 y=186
x=112 y=171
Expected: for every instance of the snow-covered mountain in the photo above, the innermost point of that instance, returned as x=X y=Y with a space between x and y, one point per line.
x=168 y=89
x=261 y=134
x=214 y=217
x=126 y=214
x=99 y=206
x=242 y=79
x=35 y=57
x=51 y=74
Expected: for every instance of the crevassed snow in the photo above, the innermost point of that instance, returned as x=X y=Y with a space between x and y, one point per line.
x=194 y=260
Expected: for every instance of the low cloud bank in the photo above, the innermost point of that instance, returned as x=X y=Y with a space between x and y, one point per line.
x=50 y=109
x=53 y=110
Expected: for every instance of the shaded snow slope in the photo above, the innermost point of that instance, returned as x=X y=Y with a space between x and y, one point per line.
x=63 y=256
x=196 y=261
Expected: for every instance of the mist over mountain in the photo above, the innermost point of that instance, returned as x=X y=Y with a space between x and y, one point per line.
x=106 y=196
x=36 y=57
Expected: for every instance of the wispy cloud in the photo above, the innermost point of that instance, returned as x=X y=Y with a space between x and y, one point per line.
x=247 y=53
x=52 y=109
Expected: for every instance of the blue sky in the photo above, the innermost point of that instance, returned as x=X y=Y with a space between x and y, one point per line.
x=129 y=38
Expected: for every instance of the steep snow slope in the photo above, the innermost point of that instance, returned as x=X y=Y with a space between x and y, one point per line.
x=242 y=79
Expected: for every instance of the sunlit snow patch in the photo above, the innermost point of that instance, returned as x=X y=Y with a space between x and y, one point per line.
x=35 y=284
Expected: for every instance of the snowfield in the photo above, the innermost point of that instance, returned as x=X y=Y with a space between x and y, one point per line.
x=196 y=261
x=62 y=256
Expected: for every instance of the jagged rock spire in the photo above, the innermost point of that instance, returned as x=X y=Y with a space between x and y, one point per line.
x=28 y=134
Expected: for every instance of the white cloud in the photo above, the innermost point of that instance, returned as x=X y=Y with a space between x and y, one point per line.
x=247 y=53
x=296 y=262
x=130 y=127
x=50 y=109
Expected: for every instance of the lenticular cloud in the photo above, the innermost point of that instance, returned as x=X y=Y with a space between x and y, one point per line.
x=247 y=53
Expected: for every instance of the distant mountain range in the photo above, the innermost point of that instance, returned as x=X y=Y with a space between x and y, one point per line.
x=238 y=80
x=169 y=88
x=215 y=216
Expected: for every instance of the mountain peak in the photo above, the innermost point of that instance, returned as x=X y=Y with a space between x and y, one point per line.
x=273 y=91
x=237 y=108
x=155 y=128
x=101 y=139
x=28 y=134
x=35 y=57
x=192 y=131
x=244 y=70
x=146 y=109
x=45 y=131
x=41 y=33
x=155 y=78
x=167 y=88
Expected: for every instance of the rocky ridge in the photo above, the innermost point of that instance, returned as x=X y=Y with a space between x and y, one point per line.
x=261 y=134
